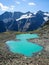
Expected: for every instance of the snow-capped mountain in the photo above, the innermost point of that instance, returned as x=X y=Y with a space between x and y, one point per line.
x=18 y=21
x=46 y=18
x=25 y=16
x=47 y=14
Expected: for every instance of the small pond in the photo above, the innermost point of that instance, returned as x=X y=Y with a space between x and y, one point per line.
x=23 y=46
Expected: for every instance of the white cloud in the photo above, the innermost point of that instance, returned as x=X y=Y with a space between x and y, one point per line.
x=24 y=0
x=12 y=7
x=17 y=2
x=6 y=8
x=31 y=3
x=3 y=7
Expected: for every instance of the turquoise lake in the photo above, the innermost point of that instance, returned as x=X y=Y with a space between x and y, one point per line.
x=23 y=46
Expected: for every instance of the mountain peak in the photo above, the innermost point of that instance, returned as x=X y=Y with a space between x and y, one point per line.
x=23 y=21
x=39 y=12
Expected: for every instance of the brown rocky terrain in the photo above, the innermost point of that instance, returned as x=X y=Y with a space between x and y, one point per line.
x=41 y=58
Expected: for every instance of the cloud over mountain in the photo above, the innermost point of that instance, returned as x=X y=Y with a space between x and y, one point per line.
x=31 y=3
x=6 y=8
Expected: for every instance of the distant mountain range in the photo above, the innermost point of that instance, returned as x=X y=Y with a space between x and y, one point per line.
x=19 y=21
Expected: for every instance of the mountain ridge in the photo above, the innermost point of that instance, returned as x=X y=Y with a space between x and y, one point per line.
x=28 y=21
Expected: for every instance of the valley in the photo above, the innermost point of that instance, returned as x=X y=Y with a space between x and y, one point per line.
x=13 y=24
x=24 y=32
x=41 y=58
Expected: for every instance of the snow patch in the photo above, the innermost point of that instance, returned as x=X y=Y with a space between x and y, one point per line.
x=46 y=18
x=25 y=16
x=47 y=14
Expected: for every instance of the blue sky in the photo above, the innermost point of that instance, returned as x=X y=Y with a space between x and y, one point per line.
x=24 y=5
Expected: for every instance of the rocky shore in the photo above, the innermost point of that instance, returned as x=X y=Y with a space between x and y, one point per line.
x=41 y=58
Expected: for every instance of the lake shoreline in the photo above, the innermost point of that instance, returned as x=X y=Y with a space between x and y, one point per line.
x=41 y=58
